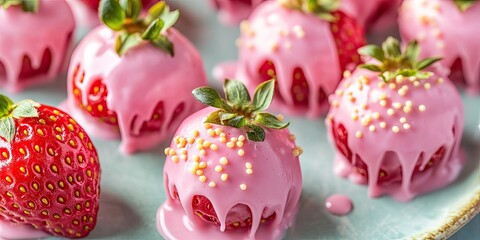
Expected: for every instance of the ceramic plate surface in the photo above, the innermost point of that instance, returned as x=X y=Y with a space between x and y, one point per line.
x=132 y=186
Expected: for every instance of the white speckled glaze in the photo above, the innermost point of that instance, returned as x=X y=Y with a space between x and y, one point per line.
x=288 y=45
x=375 y=15
x=30 y=34
x=274 y=186
x=231 y=12
x=439 y=124
x=443 y=30
x=136 y=82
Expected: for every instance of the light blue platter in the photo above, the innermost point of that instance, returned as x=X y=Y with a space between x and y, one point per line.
x=132 y=186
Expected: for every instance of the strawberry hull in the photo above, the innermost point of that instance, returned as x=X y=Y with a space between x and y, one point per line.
x=29 y=53
x=140 y=97
x=400 y=138
x=218 y=194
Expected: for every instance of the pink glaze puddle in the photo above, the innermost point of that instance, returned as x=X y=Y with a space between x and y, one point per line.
x=339 y=204
x=11 y=231
x=30 y=35
x=274 y=186
x=435 y=24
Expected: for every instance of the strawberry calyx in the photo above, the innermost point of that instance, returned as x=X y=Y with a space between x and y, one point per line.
x=27 y=5
x=322 y=9
x=123 y=16
x=464 y=5
x=10 y=111
x=392 y=62
x=238 y=110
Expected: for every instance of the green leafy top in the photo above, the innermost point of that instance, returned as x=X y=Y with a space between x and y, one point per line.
x=238 y=110
x=393 y=63
x=9 y=111
x=27 y=5
x=123 y=16
x=321 y=8
x=464 y=5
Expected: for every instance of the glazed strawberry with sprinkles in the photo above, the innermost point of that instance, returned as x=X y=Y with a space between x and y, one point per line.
x=396 y=126
x=232 y=169
x=304 y=45
x=49 y=172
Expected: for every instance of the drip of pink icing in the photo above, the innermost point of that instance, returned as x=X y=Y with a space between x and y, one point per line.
x=12 y=231
x=231 y=12
x=376 y=15
x=339 y=204
x=30 y=34
x=420 y=133
x=136 y=82
x=275 y=184
x=443 y=30
x=288 y=44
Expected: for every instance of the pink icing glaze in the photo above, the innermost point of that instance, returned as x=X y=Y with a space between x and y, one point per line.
x=376 y=15
x=30 y=34
x=384 y=150
x=443 y=30
x=10 y=230
x=339 y=204
x=231 y=12
x=288 y=44
x=274 y=186
x=136 y=82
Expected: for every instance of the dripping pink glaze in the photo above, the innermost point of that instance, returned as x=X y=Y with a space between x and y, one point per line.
x=319 y=62
x=339 y=204
x=136 y=82
x=275 y=184
x=443 y=30
x=429 y=130
x=30 y=34
x=231 y=12
x=11 y=231
x=376 y=15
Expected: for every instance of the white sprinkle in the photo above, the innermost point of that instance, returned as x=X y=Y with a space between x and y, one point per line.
x=212 y=184
x=422 y=108
x=403 y=120
x=383 y=124
x=243 y=186
x=224 y=177
x=359 y=134
x=390 y=112
x=406 y=126
x=395 y=129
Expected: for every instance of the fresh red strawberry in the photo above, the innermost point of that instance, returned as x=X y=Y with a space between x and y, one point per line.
x=50 y=173
x=349 y=37
x=239 y=216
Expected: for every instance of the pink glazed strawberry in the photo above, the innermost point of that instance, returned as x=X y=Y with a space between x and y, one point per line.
x=132 y=78
x=304 y=47
x=446 y=28
x=395 y=126
x=49 y=171
x=29 y=53
x=374 y=15
x=233 y=172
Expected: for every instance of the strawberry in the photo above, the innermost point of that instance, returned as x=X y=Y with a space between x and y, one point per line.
x=378 y=119
x=50 y=171
x=239 y=216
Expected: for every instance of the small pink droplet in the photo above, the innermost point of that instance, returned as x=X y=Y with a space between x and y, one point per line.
x=339 y=204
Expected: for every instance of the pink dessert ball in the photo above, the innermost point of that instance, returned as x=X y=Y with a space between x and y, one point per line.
x=29 y=53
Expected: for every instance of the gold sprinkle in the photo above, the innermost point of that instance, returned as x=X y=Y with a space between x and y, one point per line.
x=416 y=83
x=392 y=86
x=196 y=158
x=390 y=112
x=212 y=184
x=243 y=186
x=218 y=168
x=427 y=86
x=249 y=171
x=207 y=125
x=347 y=74
x=207 y=144
x=248 y=165
x=440 y=80
x=354 y=116
x=224 y=177
x=223 y=161
x=395 y=129
x=371 y=128
x=376 y=115
x=359 y=134
x=199 y=172
x=202 y=178
x=383 y=124
x=175 y=159
x=280 y=117
x=383 y=103
x=241 y=152
x=203 y=152
x=407 y=109
x=202 y=165
x=397 y=105
x=406 y=126
x=239 y=144
x=233 y=139
x=230 y=144
x=211 y=132
x=403 y=120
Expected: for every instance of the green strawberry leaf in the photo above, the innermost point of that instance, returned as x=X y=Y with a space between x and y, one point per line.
x=164 y=44
x=112 y=14
x=464 y=5
x=411 y=52
x=263 y=95
x=153 y=30
x=227 y=116
x=5 y=105
x=372 y=51
x=235 y=92
x=210 y=97
x=270 y=121
x=9 y=111
x=391 y=48
x=155 y=11
x=132 y=8
x=125 y=42
x=427 y=62
x=170 y=18
x=25 y=108
x=214 y=118
x=30 y=5
x=7 y=128
x=237 y=122
x=256 y=133
x=371 y=67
